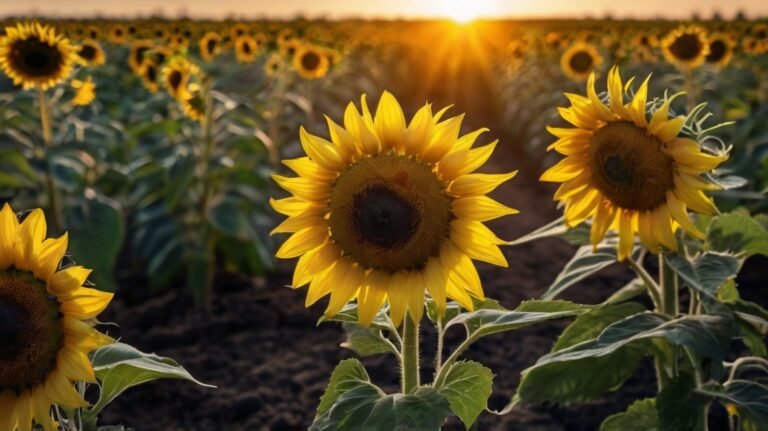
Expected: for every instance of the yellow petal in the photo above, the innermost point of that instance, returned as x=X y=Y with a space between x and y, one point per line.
x=9 y=232
x=41 y=409
x=60 y=391
x=307 y=168
x=581 y=206
x=626 y=234
x=461 y=270
x=8 y=417
x=82 y=336
x=465 y=142
x=637 y=106
x=645 y=231
x=662 y=228
x=51 y=253
x=436 y=280
x=313 y=217
x=32 y=233
x=322 y=152
x=419 y=130
x=602 y=221
x=472 y=238
x=303 y=188
x=68 y=280
x=680 y=214
x=302 y=241
x=464 y=162
x=444 y=137
x=478 y=184
x=23 y=411
x=367 y=142
x=415 y=289
x=480 y=208
x=290 y=206
x=345 y=282
x=344 y=140
x=85 y=303
x=371 y=296
x=397 y=297
x=389 y=121
x=565 y=169
x=661 y=115
x=688 y=189
x=75 y=365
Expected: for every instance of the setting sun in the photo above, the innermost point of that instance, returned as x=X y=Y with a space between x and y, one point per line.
x=464 y=11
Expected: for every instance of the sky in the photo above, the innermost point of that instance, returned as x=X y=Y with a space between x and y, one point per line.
x=458 y=9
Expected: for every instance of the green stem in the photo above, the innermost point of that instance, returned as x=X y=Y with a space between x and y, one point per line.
x=669 y=307
x=690 y=89
x=653 y=287
x=53 y=199
x=410 y=358
x=206 y=196
x=453 y=358
x=440 y=342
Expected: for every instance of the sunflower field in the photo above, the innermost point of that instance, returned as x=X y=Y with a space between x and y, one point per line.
x=383 y=224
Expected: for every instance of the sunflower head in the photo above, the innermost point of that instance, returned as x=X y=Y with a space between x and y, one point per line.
x=580 y=60
x=720 y=49
x=46 y=324
x=85 y=91
x=686 y=47
x=118 y=34
x=192 y=103
x=150 y=75
x=34 y=55
x=310 y=62
x=246 y=49
x=209 y=46
x=140 y=50
x=290 y=47
x=629 y=173
x=274 y=65
x=90 y=53
x=176 y=74
x=385 y=210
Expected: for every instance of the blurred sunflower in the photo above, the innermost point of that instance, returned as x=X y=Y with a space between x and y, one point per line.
x=46 y=324
x=209 y=46
x=138 y=54
x=86 y=92
x=239 y=29
x=118 y=35
x=753 y=46
x=246 y=49
x=90 y=53
x=580 y=60
x=176 y=74
x=192 y=103
x=686 y=47
x=149 y=75
x=274 y=65
x=720 y=49
x=629 y=174
x=310 y=63
x=160 y=54
x=385 y=210
x=290 y=47
x=34 y=55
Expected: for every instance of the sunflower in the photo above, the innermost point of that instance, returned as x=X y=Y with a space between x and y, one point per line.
x=720 y=49
x=274 y=65
x=138 y=55
x=176 y=74
x=385 y=210
x=580 y=60
x=753 y=46
x=118 y=35
x=86 y=91
x=149 y=74
x=630 y=174
x=310 y=63
x=34 y=55
x=290 y=47
x=90 y=53
x=192 y=103
x=239 y=29
x=46 y=324
x=209 y=46
x=246 y=49
x=686 y=47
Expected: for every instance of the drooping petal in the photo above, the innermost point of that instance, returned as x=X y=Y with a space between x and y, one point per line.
x=478 y=184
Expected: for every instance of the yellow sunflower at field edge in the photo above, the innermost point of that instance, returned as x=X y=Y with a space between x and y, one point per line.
x=85 y=92
x=176 y=74
x=629 y=174
x=384 y=211
x=310 y=63
x=35 y=55
x=686 y=47
x=46 y=328
x=580 y=60
x=90 y=53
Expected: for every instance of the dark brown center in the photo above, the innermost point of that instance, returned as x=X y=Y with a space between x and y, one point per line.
x=87 y=52
x=717 y=50
x=686 y=47
x=629 y=167
x=31 y=332
x=383 y=217
x=35 y=58
x=581 y=62
x=310 y=60
x=174 y=79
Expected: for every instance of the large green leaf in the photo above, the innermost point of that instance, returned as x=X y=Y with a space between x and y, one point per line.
x=588 y=378
x=707 y=335
x=366 y=341
x=707 y=272
x=119 y=367
x=750 y=397
x=640 y=416
x=347 y=375
x=484 y=322
x=737 y=233
x=467 y=387
x=96 y=231
x=679 y=407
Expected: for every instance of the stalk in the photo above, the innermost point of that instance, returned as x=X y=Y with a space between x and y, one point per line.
x=669 y=307
x=209 y=237
x=410 y=357
x=53 y=200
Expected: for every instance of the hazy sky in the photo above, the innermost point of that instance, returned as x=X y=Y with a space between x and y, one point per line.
x=384 y=8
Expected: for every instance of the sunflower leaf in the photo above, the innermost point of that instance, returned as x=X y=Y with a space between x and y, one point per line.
x=467 y=386
x=707 y=272
x=639 y=416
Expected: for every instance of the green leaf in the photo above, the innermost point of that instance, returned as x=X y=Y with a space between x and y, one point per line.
x=365 y=341
x=631 y=290
x=365 y=407
x=96 y=231
x=707 y=335
x=737 y=233
x=347 y=375
x=119 y=366
x=679 y=407
x=484 y=322
x=467 y=387
x=750 y=397
x=554 y=228
x=584 y=379
x=583 y=264
x=640 y=416
x=707 y=272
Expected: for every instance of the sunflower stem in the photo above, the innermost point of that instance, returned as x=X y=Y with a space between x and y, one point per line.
x=410 y=357
x=650 y=283
x=53 y=200
x=205 y=198
x=669 y=307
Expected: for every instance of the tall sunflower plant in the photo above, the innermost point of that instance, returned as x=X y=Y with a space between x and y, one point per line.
x=58 y=370
x=55 y=140
x=386 y=218
x=634 y=186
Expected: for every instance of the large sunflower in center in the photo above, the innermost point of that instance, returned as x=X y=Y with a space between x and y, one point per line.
x=628 y=173
x=46 y=324
x=384 y=211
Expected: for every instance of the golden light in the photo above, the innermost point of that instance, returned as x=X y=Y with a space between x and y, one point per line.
x=465 y=11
